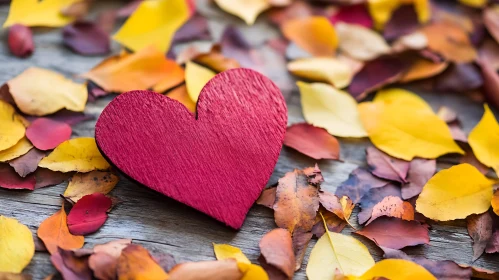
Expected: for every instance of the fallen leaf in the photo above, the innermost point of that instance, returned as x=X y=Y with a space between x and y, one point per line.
x=27 y=163
x=175 y=77
x=312 y=141
x=404 y=131
x=206 y=270
x=322 y=69
x=385 y=166
x=9 y=179
x=359 y=182
x=395 y=269
x=360 y=43
x=392 y=206
x=403 y=21
x=70 y=265
x=353 y=14
x=86 y=38
x=314 y=34
x=196 y=77
x=495 y=202
x=330 y=108
x=490 y=82
x=480 y=229
x=78 y=154
x=396 y=233
x=46 y=177
x=333 y=222
x=17 y=247
x=491 y=21
x=153 y=23
x=423 y=68
x=441 y=200
x=493 y=245
x=277 y=249
x=381 y=10
x=12 y=129
x=135 y=262
x=482 y=140
x=413 y=41
x=267 y=197
x=180 y=94
x=38 y=13
x=41 y=92
x=340 y=206
x=104 y=260
x=372 y=198
x=195 y=29
x=334 y=251
x=300 y=246
x=215 y=60
x=55 y=234
x=247 y=10
x=225 y=251
x=420 y=171
x=141 y=70
x=77 y=10
x=89 y=214
x=252 y=272
x=20 y=40
x=46 y=134
x=459 y=77
x=19 y=149
x=83 y=184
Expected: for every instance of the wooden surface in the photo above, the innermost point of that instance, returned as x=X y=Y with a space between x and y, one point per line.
x=163 y=225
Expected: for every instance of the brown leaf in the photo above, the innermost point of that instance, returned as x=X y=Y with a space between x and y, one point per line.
x=420 y=171
x=46 y=177
x=480 y=230
x=333 y=222
x=277 y=249
x=215 y=60
x=385 y=166
x=493 y=244
x=358 y=184
x=27 y=163
x=267 y=198
x=312 y=141
x=104 y=260
x=341 y=207
x=392 y=206
x=71 y=266
x=373 y=197
x=135 y=262
x=300 y=245
x=206 y=270
x=77 y=9
x=9 y=179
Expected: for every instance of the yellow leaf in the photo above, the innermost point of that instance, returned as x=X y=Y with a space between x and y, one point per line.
x=11 y=126
x=474 y=3
x=484 y=139
x=88 y=183
x=247 y=10
x=402 y=125
x=153 y=23
x=38 y=13
x=41 y=92
x=19 y=149
x=395 y=269
x=79 y=154
x=330 y=108
x=381 y=10
x=252 y=271
x=335 y=251
x=224 y=251
x=323 y=69
x=360 y=42
x=17 y=247
x=455 y=193
x=196 y=77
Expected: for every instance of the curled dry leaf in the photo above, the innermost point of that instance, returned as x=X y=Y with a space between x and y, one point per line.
x=440 y=200
x=17 y=247
x=423 y=68
x=27 y=163
x=247 y=10
x=225 y=252
x=19 y=149
x=360 y=43
x=135 y=262
x=480 y=229
x=38 y=13
x=89 y=214
x=482 y=139
x=358 y=184
x=396 y=269
x=372 y=198
x=312 y=141
x=83 y=184
x=385 y=166
x=322 y=69
x=330 y=108
x=392 y=206
x=20 y=40
x=41 y=92
x=277 y=249
x=9 y=179
x=55 y=234
x=11 y=126
x=158 y=21
x=78 y=154
x=70 y=265
x=196 y=77
x=46 y=134
x=314 y=34
x=267 y=198
x=86 y=38
x=420 y=171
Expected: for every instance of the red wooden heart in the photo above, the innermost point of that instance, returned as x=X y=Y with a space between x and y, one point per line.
x=218 y=161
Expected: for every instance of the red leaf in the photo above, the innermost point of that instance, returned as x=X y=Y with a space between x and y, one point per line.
x=420 y=171
x=396 y=233
x=403 y=21
x=385 y=166
x=21 y=40
x=27 y=163
x=480 y=230
x=312 y=141
x=46 y=134
x=373 y=197
x=86 y=38
x=358 y=184
x=353 y=14
x=9 y=179
x=89 y=214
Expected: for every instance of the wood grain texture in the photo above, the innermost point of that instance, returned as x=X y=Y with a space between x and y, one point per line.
x=163 y=225
x=218 y=161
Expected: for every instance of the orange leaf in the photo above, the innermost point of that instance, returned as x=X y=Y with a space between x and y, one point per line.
x=314 y=34
x=392 y=206
x=54 y=233
x=215 y=60
x=423 y=68
x=277 y=249
x=180 y=94
x=175 y=77
x=136 y=263
x=207 y=270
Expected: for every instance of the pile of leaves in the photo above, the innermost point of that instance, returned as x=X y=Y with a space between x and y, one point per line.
x=351 y=57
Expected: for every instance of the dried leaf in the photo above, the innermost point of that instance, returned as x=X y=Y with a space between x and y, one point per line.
x=381 y=10
x=225 y=251
x=403 y=21
x=392 y=206
x=55 y=234
x=38 y=13
x=358 y=184
x=482 y=140
x=480 y=229
x=322 y=69
x=372 y=198
x=396 y=233
x=27 y=163
x=196 y=77
x=341 y=207
x=9 y=179
x=353 y=14
x=360 y=43
x=78 y=154
x=413 y=41
x=46 y=134
x=89 y=214
x=70 y=265
x=267 y=197
x=196 y=28
x=333 y=222
x=19 y=149
x=104 y=260
x=493 y=245
x=314 y=34
x=459 y=77
x=312 y=141
x=395 y=269
x=41 y=92
x=420 y=171
x=17 y=247
x=21 y=40
x=206 y=270
x=247 y=10
x=423 y=68
x=86 y=38
x=386 y=167
x=330 y=108
x=83 y=184
x=440 y=199
x=135 y=262
x=215 y=60
x=11 y=126
x=46 y=177
x=277 y=249
x=153 y=23
x=300 y=245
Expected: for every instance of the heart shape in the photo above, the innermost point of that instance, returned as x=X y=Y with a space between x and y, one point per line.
x=217 y=162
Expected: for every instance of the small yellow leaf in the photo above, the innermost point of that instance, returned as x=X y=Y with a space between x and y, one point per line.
x=455 y=193
x=247 y=10
x=381 y=10
x=330 y=108
x=38 y=13
x=41 y=92
x=153 y=23
x=252 y=271
x=474 y=3
x=79 y=154
x=88 y=183
x=19 y=149
x=224 y=251
x=484 y=139
x=196 y=77
x=335 y=251
x=17 y=247
x=11 y=126
x=395 y=269
x=323 y=69
x=360 y=42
